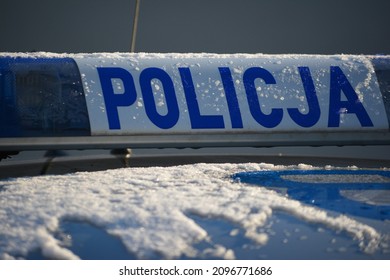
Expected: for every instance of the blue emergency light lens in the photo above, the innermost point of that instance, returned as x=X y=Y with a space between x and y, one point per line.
x=41 y=97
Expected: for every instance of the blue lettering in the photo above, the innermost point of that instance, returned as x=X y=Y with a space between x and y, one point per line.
x=312 y=117
x=231 y=97
x=115 y=97
x=114 y=100
x=338 y=83
x=198 y=121
x=276 y=115
x=172 y=116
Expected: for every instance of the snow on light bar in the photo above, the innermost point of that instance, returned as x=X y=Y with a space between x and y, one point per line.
x=192 y=100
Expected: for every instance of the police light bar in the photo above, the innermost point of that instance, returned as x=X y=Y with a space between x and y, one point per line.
x=191 y=100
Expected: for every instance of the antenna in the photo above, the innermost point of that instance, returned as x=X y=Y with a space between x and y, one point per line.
x=135 y=25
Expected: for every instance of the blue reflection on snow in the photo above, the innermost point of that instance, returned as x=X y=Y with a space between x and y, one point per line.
x=326 y=195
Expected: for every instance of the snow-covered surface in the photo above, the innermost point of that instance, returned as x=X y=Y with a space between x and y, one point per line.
x=121 y=55
x=156 y=212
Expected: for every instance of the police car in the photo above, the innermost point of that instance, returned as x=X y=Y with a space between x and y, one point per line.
x=236 y=210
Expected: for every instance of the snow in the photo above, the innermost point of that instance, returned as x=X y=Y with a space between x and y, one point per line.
x=135 y=57
x=152 y=210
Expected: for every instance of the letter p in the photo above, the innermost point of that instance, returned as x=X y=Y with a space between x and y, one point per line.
x=126 y=97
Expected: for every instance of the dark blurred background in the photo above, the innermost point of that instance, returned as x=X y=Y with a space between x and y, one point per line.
x=221 y=26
